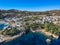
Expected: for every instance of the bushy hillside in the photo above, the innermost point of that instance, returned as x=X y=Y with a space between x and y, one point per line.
x=13 y=12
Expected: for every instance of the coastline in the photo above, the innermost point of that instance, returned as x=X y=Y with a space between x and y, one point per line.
x=47 y=33
x=8 y=38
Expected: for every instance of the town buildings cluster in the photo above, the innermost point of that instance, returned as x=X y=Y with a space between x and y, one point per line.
x=19 y=22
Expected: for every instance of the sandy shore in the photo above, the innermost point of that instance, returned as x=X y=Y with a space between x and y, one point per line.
x=47 y=33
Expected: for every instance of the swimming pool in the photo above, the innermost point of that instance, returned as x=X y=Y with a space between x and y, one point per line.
x=3 y=26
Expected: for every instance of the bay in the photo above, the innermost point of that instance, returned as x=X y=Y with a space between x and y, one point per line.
x=36 y=38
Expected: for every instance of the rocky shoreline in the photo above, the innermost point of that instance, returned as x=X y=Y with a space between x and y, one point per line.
x=7 y=39
x=47 y=33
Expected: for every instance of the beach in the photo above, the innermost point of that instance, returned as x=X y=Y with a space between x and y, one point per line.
x=47 y=33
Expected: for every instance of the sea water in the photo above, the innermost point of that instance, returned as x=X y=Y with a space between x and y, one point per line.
x=29 y=39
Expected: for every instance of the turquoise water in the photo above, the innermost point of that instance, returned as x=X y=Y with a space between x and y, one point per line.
x=2 y=26
x=29 y=39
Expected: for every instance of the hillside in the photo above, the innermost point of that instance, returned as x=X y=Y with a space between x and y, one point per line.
x=18 y=13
